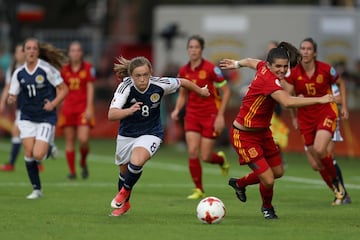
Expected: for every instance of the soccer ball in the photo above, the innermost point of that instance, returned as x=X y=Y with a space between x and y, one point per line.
x=210 y=210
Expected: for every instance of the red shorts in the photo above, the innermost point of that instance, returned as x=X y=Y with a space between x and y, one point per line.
x=252 y=146
x=75 y=119
x=308 y=132
x=204 y=126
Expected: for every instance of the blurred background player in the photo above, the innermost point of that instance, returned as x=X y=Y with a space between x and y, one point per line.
x=40 y=88
x=204 y=118
x=77 y=112
x=136 y=103
x=18 y=60
x=317 y=123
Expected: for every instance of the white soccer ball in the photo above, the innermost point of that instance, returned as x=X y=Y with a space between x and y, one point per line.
x=210 y=210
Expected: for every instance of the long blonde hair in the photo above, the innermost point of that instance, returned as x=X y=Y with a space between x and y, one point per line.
x=125 y=67
x=48 y=52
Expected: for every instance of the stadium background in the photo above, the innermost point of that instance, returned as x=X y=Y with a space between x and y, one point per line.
x=158 y=30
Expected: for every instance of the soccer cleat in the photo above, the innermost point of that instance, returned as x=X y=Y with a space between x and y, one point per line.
x=225 y=166
x=84 y=172
x=240 y=192
x=120 y=211
x=197 y=193
x=71 y=176
x=120 y=198
x=35 y=194
x=339 y=190
x=54 y=152
x=269 y=213
x=344 y=200
x=7 y=167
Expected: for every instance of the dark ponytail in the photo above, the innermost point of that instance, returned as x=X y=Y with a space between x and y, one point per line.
x=284 y=50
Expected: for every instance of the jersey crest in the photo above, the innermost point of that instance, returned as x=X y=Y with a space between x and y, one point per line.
x=155 y=97
x=320 y=79
x=39 y=79
x=202 y=74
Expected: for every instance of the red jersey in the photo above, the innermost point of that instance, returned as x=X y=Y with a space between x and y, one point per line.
x=258 y=106
x=75 y=101
x=318 y=85
x=208 y=74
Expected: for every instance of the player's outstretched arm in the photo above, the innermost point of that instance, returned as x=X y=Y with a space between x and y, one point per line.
x=202 y=91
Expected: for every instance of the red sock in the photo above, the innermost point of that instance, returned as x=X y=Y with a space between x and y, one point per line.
x=325 y=176
x=266 y=195
x=216 y=159
x=84 y=151
x=328 y=164
x=328 y=174
x=249 y=179
x=196 y=172
x=70 y=158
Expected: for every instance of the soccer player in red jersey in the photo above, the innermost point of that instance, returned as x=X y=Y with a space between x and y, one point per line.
x=317 y=123
x=251 y=136
x=77 y=113
x=204 y=117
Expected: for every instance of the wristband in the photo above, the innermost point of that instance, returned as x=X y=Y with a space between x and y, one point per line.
x=236 y=64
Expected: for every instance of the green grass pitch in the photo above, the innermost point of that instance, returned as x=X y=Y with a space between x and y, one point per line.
x=159 y=209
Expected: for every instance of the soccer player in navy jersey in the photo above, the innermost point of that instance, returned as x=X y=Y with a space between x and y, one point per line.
x=40 y=88
x=136 y=103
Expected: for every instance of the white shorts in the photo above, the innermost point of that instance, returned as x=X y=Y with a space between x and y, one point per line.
x=125 y=145
x=40 y=131
x=337 y=135
x=17 y=117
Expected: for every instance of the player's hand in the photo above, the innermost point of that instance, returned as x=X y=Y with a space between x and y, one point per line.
x=328 y=98
x=219 y=124
x=294 y=122
x=135 y=107
x=48 y=106
x=89 y=113
x=11 y=99
x=175 y=114
x=227 y=64
x=344 y=113
x=204 y=91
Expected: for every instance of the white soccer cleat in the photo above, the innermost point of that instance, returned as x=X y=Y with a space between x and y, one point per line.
x=35 y=194
x=54 y=152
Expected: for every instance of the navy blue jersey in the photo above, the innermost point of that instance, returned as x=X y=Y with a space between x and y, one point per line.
x=33 y=88
x=147 y=120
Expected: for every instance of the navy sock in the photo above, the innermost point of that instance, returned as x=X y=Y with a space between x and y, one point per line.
x=33 y=173
x=339 y=173
x=49 y=151
x=132 y=176
x=15 y=149
x=121 y=181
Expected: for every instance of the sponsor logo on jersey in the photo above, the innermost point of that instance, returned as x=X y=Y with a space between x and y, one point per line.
x=39 y=79
x=155 y=97
x=133 y=100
